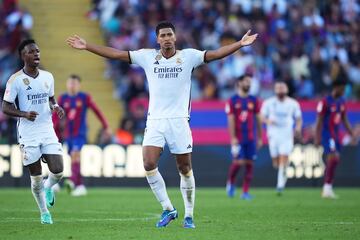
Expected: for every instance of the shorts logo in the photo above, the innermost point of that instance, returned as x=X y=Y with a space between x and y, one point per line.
x=189 y=147
x=26 y=81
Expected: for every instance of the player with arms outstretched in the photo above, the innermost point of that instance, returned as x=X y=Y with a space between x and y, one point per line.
x=76 y=103
x=33 y=89
x=168 y=72
x=279 y=113
x=331 y=112
x=244 y=123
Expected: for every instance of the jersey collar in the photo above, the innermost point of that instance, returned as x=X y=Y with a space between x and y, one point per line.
x=30 y=75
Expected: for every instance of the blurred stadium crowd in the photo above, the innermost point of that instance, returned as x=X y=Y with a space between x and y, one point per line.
x=15 y=25
x=308 y=44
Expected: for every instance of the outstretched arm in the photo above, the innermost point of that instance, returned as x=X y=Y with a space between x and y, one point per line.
x=224 y=51
x=107 y=52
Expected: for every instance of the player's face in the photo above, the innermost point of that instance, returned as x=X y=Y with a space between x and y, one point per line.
x=281 y=90
x=339 y=91
x=166 y=38
x=73 y=85
x=245 y=84
x=31 y=55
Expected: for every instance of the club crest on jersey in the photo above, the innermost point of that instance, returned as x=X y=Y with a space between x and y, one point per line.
x=178 y=61
x=250 y=105
x=333 y=108
x=157 y=58
x=78 y=103
x=26 y=81
x=237 y=105
x=46 y=85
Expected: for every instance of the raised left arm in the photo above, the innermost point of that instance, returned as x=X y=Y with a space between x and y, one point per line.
x=224 y=51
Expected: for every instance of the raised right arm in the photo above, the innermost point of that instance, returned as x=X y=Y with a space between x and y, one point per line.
x=107 y=52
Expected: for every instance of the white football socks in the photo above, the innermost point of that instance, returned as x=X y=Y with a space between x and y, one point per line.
x=281 y=178
x=37 y=189
x=158 y=187
x=187 y=188
x=53 y=179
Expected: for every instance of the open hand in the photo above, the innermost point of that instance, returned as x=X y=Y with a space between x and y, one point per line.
x=248 y=39
x=76 y=42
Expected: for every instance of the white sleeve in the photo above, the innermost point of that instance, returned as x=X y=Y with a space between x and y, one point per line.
x=138 y=57
x=265 y=109
x=52 y=83
x=196 y=57
x=11 y=91
x=297 y=110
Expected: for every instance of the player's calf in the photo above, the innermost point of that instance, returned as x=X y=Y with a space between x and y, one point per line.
x=53 y=179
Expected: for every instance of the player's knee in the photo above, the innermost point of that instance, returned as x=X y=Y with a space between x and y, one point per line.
x=184 y=169
x=58 y=169
x=334 y=158
x=149 y=165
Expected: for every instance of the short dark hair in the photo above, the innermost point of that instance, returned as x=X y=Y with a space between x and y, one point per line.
x=242 y=77
x=164 y=24
x=75 y=76
x=24 y=43
x=339 y=82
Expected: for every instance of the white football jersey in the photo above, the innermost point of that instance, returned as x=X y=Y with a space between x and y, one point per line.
x=169 y=80
x=33 y=95
x=283 y=113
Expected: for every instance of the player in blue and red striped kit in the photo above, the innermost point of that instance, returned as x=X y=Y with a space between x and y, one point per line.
x=76 y=103
x=331 y=112
x=244 y=124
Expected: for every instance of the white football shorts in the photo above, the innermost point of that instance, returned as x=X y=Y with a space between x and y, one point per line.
x=280 y=146
x=33 y=150
x=175 y=132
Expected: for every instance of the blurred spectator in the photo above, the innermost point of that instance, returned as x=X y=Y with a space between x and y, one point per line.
x=15 y=24
x=124 y=135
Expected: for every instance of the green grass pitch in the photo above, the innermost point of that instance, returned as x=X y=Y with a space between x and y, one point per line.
x=126 y=213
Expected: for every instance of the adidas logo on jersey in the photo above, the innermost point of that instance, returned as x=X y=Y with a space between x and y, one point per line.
x=156 y=62
x=28 y=88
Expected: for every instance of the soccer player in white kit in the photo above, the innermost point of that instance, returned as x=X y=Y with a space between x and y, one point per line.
x=279 y=113
x=29 y=96
x=168 y=72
